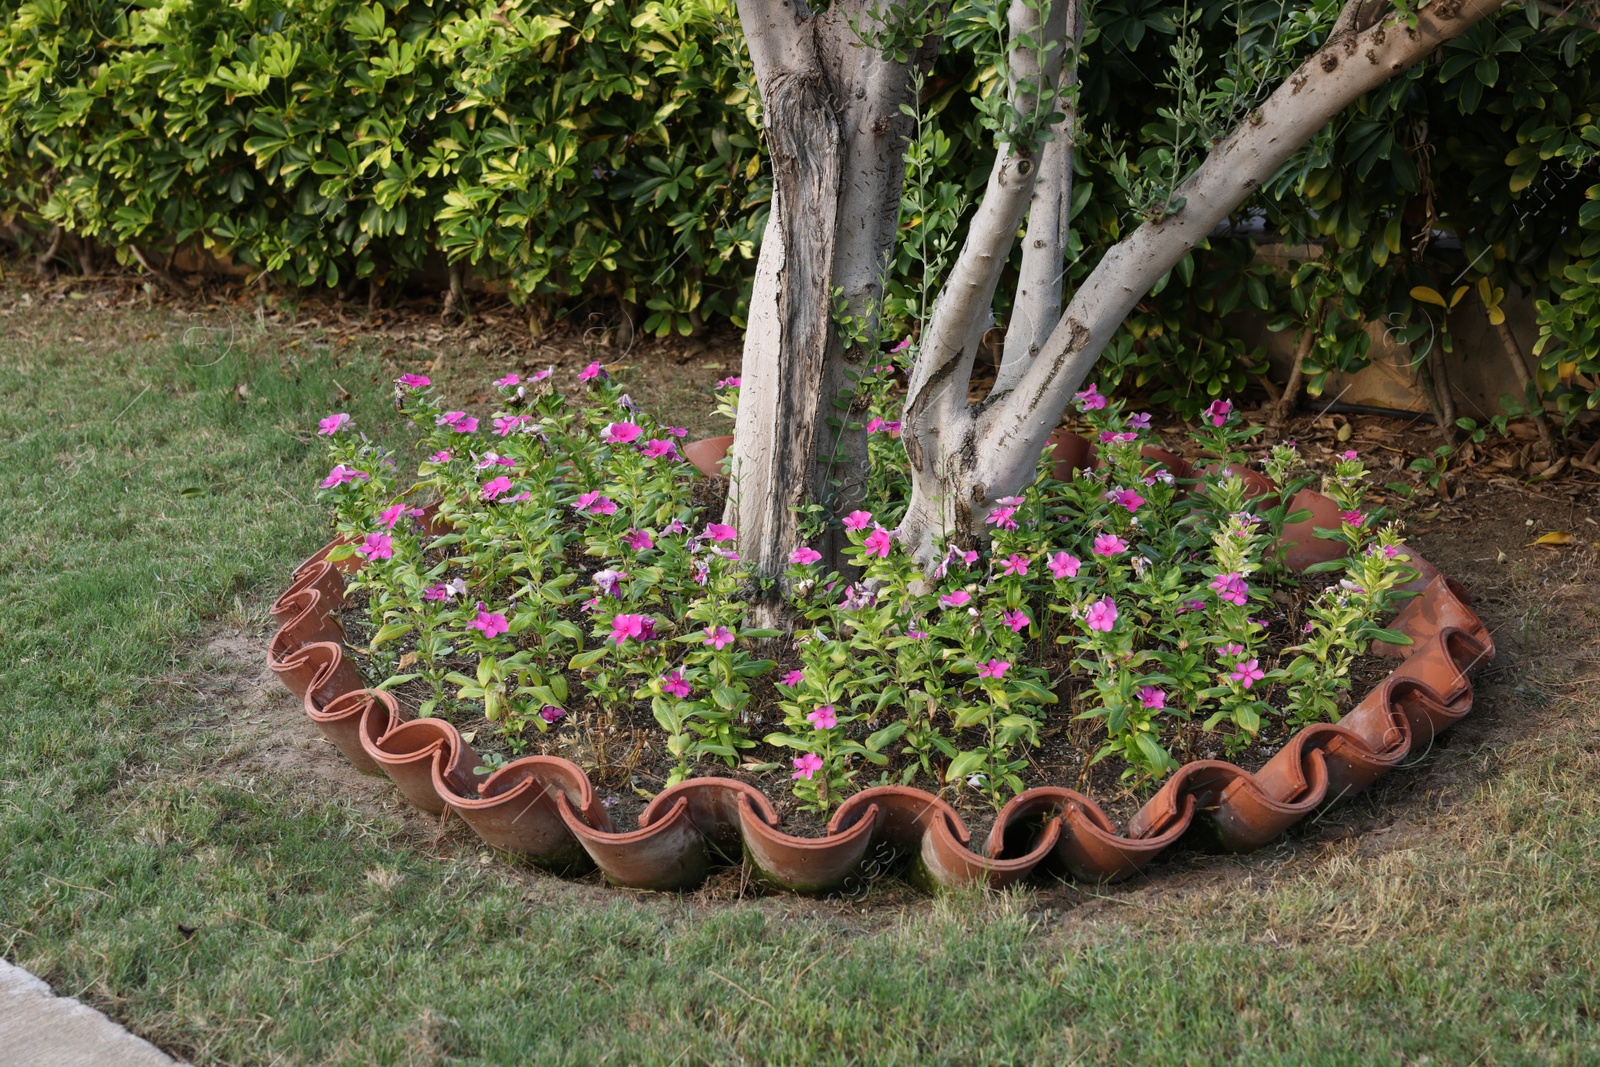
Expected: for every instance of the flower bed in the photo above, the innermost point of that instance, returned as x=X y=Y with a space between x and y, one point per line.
x=573 y=563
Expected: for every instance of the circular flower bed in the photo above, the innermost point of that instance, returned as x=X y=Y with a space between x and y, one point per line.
x=561 y=584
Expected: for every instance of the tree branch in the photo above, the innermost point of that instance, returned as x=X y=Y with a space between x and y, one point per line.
x=936 y=400
x=1037 y=307
x=1012 y=432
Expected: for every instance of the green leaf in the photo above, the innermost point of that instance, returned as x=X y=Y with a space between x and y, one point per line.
x=585 y=660
x=893 y=732
x=964 y=765
x=391 y=631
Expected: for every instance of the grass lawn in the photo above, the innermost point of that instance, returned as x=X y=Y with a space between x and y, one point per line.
x=235 y=910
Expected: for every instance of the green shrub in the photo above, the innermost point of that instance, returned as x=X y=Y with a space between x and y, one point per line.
x=551 y=146
x=614 y=150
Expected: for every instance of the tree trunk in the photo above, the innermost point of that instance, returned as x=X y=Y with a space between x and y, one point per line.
x=970 y=456
x=1037 y=307
x=836 y=136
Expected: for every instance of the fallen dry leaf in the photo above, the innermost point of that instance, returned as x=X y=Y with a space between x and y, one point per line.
x=1555 y=537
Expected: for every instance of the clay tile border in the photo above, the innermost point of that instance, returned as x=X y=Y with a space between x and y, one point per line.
x=545 y=809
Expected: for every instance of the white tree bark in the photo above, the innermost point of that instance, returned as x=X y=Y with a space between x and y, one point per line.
x=1037 y=307
x=938 y=418
x=965 y=457
x=836 y=136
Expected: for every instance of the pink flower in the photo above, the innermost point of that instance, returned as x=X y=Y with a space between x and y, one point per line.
x=619 y=433
x=904 y=344
x=1151 y=697
x=1232 y=588
x=677 y=431
x=793 y=678
x=877 y=425
x=609 y=582
x=1014 y=564
x=1065 y=565
x=639 y=627
x=718 y=637
x=1127 y=498
x=413 y=381
x=1191 y=605
x=1107 y=437
x=719 y=532
x=440 y=456
x=1001 y=517
x=807 y=765
x=506 y=425
x=804 y=556
x=1390 y=551
x=673 y=683
x=1247 y=673
x=639 y=540
x=459 y=421
x=491 y=459
x=995 y=668
x=1140 y=421
x=595 y=504
x=1017 y=620
x=823 y=718
x=376 y=546
x=730 y=383
x=541 y=375
x=491 y=623
x=509 y=380
x=391 y=515
x=436 y=592
x=1307 y=628
x=877 y=543
x=1350 y=454
x=1090 y=399
x=1232 y=649
x=917 y=635
x=1354 y=518
x=657 y=447
x=858 y=520
x=593 y=371
x=552 y=714
x=333 y=423
x=1218 y=412
x=1109 y=545
x=1102 y=615
x=495 y=486
x=956 y=599
x=341 y=474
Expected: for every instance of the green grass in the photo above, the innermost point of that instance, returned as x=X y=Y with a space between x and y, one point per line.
x=237 y=918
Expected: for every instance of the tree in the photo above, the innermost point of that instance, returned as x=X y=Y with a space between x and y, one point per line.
x=837 y=92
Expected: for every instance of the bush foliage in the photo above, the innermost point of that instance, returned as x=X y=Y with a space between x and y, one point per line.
x=614 y=149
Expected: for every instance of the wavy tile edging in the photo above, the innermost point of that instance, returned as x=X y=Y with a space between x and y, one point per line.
x=545 y=808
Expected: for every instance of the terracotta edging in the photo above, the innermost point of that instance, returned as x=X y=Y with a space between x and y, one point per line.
x=546 y=809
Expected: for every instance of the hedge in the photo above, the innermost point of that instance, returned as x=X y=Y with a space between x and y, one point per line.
x=614 y=149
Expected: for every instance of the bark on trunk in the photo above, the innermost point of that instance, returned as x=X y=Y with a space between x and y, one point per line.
x=1037 y=307
x=836 y=136
x=939 y=423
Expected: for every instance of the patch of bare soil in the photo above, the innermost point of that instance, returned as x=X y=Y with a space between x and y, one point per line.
x=265 y=730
